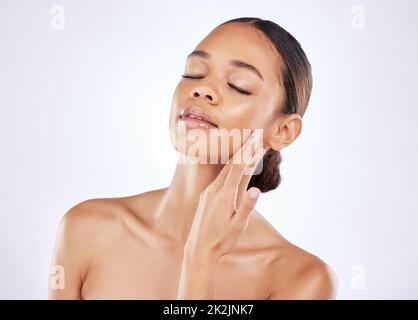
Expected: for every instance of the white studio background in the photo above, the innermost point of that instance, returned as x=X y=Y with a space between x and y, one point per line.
x=85 y=96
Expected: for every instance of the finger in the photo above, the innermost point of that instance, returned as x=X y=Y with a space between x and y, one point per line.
x=236 y=155
x=257 y=169
x=255 y=165
x=220 y=179
x=249 y=149
x=245 y=169
x=247 y=205
x=240 y=164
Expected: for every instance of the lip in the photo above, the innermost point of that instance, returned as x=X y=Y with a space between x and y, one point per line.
x=197 y=113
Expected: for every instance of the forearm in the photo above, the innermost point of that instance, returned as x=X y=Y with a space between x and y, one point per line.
x=197 y=278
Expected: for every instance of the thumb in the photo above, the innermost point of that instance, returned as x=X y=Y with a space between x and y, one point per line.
x=247 y=203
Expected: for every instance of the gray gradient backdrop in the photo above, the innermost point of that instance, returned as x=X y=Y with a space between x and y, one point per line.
x=84 y=114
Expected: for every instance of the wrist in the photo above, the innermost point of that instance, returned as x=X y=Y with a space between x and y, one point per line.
x=200 y=258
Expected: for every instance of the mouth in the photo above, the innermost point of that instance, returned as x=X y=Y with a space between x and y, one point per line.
x=196 y=117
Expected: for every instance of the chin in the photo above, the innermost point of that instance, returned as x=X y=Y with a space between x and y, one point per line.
x=200 y=152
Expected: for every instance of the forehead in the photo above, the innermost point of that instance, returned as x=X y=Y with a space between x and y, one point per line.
x=239 y=41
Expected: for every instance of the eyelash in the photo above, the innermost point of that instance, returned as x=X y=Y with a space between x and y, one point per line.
x=232 y=86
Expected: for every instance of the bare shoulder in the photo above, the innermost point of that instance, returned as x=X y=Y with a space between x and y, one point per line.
x=98 y=221
x=90 y=222
x=307 y=276
x=295 y=273
x=84 y=229
x=103 y=214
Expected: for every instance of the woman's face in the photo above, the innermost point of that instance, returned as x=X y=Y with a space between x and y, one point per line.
x=235 y=72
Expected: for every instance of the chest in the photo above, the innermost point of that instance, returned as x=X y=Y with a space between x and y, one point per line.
x=154 y=273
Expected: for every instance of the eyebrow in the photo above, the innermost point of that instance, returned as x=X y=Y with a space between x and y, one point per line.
x=236 y=63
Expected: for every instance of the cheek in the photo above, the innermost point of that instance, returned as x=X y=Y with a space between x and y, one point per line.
x=244 y=114
x=265 y=108
x=177 y=94
x=176 y=102
x=182 y=90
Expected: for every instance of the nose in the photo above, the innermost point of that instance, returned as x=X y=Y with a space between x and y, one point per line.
x=206 y=93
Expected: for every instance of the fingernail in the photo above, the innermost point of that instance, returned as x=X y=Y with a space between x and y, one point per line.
x=254 y=193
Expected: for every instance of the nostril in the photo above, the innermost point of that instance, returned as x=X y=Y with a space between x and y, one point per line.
x=210 y=98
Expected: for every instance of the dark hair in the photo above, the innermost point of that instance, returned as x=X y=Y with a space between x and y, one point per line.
x=297 y=80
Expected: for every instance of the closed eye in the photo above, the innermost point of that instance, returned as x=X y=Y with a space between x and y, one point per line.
x=239 y=90
x=191 y=77
x=230 y=84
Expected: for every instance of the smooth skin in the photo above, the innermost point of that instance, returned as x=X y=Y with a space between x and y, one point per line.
x=185 y=241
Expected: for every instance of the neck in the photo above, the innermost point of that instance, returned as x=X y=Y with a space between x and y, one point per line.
x=179 y=203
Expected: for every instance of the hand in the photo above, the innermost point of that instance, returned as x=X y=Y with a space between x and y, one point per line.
x=218 y=224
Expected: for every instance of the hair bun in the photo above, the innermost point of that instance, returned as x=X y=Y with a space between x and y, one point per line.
x=269 y=178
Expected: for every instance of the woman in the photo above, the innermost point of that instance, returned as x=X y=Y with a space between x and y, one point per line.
x=201 y=238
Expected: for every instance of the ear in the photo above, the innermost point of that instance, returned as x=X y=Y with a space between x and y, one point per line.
x=284 y=131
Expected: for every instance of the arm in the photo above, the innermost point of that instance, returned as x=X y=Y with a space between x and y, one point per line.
x=69 y=259
x=197 y=277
